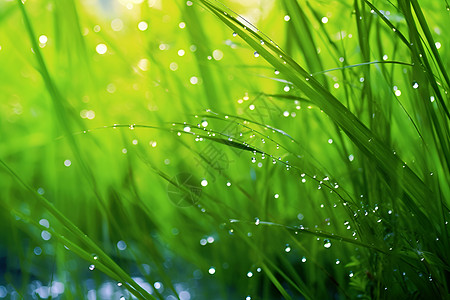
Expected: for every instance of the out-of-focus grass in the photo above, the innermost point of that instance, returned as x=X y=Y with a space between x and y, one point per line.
x=192 y=150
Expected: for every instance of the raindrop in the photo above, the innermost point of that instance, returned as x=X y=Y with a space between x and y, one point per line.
x=303 y=259
x=101 y=48
x=326 y=243
x=415 y=85
x=92 y=267
x=249 y=274
x=288 y=248
x=121 y=245
x=43 y=39
x=256 y=54
x=142 y=26
x=212 y=271
x=46 y=235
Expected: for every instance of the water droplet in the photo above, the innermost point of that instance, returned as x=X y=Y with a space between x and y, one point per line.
x=326 y=243
x=256 y=54
x=257 y=221
x=249 y=274
x=288 y=248
x=338 y=261
x=212 y=271
x=277 y=72
x=119 y=284
x=235 y=34
x=101 y=48
x=228 y=183
x=303 y=259
x=415 y=85
x=92 y=267
x=121 y=245
x=204 y=182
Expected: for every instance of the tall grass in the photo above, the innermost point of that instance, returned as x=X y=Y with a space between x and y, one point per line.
x=209 y=150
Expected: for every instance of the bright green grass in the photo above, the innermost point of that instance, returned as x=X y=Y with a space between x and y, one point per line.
x=208 y=150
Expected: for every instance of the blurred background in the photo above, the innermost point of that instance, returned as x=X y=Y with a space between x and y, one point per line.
x=187 y=158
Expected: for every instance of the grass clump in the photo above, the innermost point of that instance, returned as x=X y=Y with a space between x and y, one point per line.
x=200 y=149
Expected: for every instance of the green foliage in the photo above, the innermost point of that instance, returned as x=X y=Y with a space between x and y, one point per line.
x=208 y=150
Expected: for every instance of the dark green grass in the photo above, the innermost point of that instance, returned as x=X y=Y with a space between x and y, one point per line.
x=297 y=157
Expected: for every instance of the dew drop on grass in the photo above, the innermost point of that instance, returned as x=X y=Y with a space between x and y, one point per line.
x=142 y=26
x=101 y=49
x=288 y=248
x=257 y=221
x=256 y=54
x=326 y=243
x=212 y=271
x=228 y=183
x=277 y=72
x=67 y=163
x=122 y=298
x=303 y=259
x=121 y=245
x=415 y=85
x=338 y=261
x=158 y=285
x=91 y=267
x=249 y=274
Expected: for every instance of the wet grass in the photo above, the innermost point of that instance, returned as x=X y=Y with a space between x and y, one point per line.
x=200 y=150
